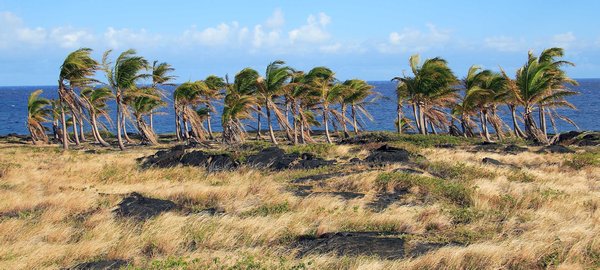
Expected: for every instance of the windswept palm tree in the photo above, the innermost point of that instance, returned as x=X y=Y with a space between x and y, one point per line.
x=77 y=70
x=323 y=81
x=37 y=113
x=540 y=82
x=240 y=99
x=356 y=95
x=160 y=77
x=429 y=90
x=214 y=85
x=95 y=100
x=143 y=101
x=187 y=97
x=270 y=86
x=123 y=76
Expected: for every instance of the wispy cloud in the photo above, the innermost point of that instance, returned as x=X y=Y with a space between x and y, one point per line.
x=416 y=40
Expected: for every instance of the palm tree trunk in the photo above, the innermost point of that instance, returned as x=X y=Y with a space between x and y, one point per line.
x=344 y=126
x=543 y=121
x=325 y=121
x=271 y=132
x=63 y=119
x=119 y=118
x=417 y=118
x=518 y=132
x=354 y=119
x=81 y=126
x=75 y=131
x=433 y=130
x=210 y=133
x=399 y=118
x=302 y=135
x=422 y=120
x=151 y=120
x=484 y=126
x=295 y=122
x=186 y=130
x=177 y=122
x=97 y=131
x=258 y=123
x=55 y=129
x=123 y=122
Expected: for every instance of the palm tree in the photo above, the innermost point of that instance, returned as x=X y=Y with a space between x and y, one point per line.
x=276 y=76
x=160 y=76
x=96 y=104
x=357 y=92
x=540 y=82
x=77 y=70
x=143 y=101
x=429 y=90
x=123 y=76
x=187 y=97
x=37 y=113
x=214 y=86
x=240 y=99
x=322 y=80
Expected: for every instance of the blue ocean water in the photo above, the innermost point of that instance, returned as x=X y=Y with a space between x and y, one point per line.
x=13 y=109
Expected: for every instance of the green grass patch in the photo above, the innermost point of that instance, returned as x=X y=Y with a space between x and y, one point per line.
x=583 y=160
x=458 y=171
x=453 y=192
x=268 y=210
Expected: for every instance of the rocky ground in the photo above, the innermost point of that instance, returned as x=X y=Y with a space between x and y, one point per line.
x=375 y=201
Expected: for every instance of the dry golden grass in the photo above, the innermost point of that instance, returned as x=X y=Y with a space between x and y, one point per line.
x=55 y=212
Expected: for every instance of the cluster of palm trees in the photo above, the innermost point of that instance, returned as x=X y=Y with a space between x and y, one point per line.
x=434 y=93
x=297 y=101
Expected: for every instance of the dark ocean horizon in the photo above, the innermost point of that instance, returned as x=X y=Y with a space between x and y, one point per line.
x=13 y=109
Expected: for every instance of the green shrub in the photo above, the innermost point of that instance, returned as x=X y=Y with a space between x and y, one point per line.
x=521 y=176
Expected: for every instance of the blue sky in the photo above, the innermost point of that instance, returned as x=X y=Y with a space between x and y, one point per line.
x=358 y=39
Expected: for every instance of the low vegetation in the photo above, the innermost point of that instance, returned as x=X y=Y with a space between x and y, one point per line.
x=538 y=211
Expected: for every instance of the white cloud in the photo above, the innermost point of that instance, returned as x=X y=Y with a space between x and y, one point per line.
x=128 y=38
x=564 y=40
x=276 y=20
x=69 y=38
x=411 y=39
x=504 y=43
x=271 y=34
x=313 y=31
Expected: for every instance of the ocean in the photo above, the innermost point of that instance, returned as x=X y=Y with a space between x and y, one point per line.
x=13 y=109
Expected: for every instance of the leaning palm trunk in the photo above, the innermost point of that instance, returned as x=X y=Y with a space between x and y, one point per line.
x=119 y=120
x=147 y=134
x=210 y=132
x=354 y=119
x=258 y=123
x=398 y=117
x=531 y=129
x=325 y=122
x=75 y=130
x=37 y=131
x=177 y=123
x=81 y=126
x=496 y=123
x=96 y=131
x=344 y=126
x=543 y=120
x=416 y=115
x=518 y=132
x=63 y=118
x=271 y=132
x=484 y=127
